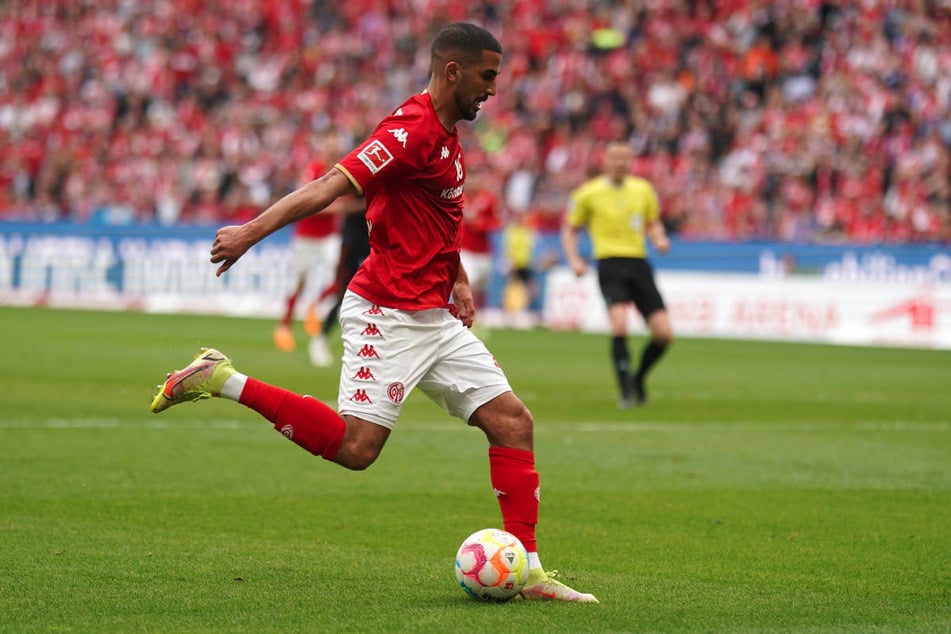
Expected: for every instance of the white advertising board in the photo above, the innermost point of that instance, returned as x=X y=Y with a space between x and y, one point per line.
x=790 y=308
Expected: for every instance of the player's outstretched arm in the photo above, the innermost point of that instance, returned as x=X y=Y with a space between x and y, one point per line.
x=233 y=241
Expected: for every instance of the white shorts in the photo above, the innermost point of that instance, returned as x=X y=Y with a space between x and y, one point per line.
x=389 y=352
x=478 y=267
x=315 y=255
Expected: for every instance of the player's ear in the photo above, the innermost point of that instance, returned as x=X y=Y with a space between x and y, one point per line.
x=453 y=71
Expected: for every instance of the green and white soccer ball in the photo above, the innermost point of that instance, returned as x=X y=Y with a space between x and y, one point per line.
x=492 y=565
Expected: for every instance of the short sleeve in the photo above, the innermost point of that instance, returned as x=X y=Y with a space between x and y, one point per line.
x=578 y=214
x=392 y=152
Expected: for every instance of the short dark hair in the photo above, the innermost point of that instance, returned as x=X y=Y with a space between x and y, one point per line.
x=465 y=40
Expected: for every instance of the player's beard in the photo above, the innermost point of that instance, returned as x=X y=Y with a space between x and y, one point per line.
x=470 y=112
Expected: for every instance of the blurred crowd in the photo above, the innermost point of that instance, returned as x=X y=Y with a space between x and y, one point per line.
x=797 y=121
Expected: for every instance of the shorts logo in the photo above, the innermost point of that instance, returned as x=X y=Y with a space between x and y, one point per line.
x=368 y=352
x=375 y=156
x=373 y=310
x=372 y=331
x=360 y=396
x=395 y=392
x=364 y=374
x=288 y=431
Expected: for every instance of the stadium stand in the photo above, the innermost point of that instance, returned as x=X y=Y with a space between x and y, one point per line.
x=795 y=121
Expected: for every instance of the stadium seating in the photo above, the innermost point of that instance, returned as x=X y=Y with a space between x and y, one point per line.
x=800 y=121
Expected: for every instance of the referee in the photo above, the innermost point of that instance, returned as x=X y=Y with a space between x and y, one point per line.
x=620 y=212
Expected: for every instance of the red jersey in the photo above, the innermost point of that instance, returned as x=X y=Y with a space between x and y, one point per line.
x=479 y=221
x=412 y=172
x=319 y=225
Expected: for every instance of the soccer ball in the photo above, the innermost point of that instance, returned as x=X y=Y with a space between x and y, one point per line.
x=492 y=565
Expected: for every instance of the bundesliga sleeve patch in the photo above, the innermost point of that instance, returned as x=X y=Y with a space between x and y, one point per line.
x=375 y=156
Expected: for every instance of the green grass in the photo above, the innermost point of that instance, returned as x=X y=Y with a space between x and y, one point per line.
x=766 y=488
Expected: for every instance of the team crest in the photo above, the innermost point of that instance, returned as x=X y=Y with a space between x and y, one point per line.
x=395 y=392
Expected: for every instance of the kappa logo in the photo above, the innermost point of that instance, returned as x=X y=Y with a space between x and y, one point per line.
x=373 y=310
x=368 y=352
x=375 y=156
x=444 y=153
x=395 y=392
x=372 y=331
x=364 y=374
x=360 y=396
x=498 y=492
x=400 y=134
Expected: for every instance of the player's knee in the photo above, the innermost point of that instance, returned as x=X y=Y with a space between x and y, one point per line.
x=356 y=456
x=357 y=453
x=521 y=423
x=507 y=422
x=661 y=332
x=361 y=444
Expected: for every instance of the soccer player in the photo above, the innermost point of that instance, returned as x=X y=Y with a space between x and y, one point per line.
x=399 y=331
x=314 y=245
x=619 y=210
x=354 y=248
x=480 y=218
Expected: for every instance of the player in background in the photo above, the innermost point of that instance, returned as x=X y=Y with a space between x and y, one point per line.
x=354 y=248
x=518 y=245
x=480 y=217
x=399 y=331
x=315 y=243
x=620 y=211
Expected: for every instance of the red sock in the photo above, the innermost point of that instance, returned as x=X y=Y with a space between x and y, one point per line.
x=289 y=310
x=303 y=419
x=327 y=292
x=515 y=483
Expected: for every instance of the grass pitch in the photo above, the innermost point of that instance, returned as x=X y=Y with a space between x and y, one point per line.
x=766 y=488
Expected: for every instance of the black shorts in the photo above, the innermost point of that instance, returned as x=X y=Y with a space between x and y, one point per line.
x=626 y=280
x=354 y=246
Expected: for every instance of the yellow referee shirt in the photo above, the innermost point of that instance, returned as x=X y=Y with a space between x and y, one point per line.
x=615 y=215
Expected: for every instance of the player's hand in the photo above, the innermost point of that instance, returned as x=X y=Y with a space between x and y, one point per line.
x=463 y=304
x=662 y=244
x=580 y=267
x=229 y=245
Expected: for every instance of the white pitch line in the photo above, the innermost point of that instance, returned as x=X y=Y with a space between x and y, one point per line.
x=115 y=423
x=590 y=427
x=719 y=426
